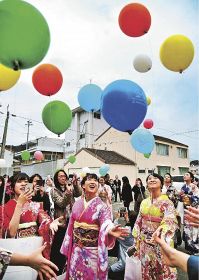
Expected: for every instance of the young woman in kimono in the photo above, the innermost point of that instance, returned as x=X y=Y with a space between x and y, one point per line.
x=157 y=214
x=21 y=217
x=89 y=235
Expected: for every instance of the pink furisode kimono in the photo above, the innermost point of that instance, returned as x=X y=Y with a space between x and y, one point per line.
x=86 y=242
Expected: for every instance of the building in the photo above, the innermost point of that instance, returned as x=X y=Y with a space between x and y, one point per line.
x=94 y=159
x=53 y=152
x=85 y=128
x=7 y=166
x=168 y=156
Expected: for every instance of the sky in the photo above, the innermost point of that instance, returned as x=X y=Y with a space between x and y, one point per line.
x=88 y=45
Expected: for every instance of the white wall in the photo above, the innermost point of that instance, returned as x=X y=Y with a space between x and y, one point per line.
x=8 y=156
x=83 y=123
x=43 y=168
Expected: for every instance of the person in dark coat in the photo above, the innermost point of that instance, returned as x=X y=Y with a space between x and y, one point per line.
x=126 y=192
x=139 y=194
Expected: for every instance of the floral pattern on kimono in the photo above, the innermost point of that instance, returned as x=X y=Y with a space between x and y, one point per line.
x=5 y=257
x=31 y=212
x=89 y=263
x=152 y=215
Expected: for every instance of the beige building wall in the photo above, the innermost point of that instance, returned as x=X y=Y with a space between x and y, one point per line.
x=115 y=140
x=123 y=170
x=84 y=159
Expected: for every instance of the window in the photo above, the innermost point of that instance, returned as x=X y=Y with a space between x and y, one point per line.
x=68 y=144
x=150 y=171
x=97 y=115
x=183 y=170
x=50 y=157
x=162 y=170
x=182 y=152
x=82 y=136
x=141 y=170
x=178 y=178
x=162 y=149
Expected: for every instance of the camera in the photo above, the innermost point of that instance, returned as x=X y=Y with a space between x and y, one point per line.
x=39 y=183
x=29 y=187
x=122 y=211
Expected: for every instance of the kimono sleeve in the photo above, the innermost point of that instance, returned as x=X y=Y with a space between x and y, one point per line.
x=44 y=222
x=169 y=222
x=5 y=257
x=137 y=231
x=68 y=239
x=106 y=224
x=5 y=217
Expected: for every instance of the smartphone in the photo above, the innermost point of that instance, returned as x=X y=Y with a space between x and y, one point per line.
x=39 y=183
x=122 y=211
x=29 y=187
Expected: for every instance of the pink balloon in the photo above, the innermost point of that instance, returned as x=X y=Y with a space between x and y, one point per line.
x=38 y=155
x=148 y=123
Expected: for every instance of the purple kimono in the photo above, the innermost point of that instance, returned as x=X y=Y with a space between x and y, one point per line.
x=86 y=242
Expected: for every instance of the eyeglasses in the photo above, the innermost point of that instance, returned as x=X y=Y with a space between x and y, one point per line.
x=62 y=176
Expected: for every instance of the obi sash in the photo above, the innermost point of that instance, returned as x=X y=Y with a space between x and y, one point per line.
x=27 y=230
x=85 y=235
x=151 y=218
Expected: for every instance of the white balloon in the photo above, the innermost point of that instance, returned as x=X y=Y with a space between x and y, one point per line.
x=2 y=162
x=142 y=63
x=86 y=170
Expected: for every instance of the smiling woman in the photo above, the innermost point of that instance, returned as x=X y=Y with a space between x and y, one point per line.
x=21 y=217
x=157 y=214
x=90 y=234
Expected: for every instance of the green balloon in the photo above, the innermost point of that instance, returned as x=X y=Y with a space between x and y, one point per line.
x=57 y=116
x=25 y=155
x=72 y=159
x=147 y=155
x=24 y=34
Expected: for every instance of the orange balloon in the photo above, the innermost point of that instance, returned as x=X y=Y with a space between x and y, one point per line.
x=134 y=20
x=47 y=79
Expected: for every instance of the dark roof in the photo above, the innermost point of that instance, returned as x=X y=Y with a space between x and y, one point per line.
x=78 y=109
x=158 y=138
x=110 y=157
x=194 y=162
x=164 y=139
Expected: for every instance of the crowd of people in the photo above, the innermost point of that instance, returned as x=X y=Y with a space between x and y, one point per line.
x=80 y=230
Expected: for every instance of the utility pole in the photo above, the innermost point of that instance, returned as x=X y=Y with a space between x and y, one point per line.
x=29 y=123
x=3 y=145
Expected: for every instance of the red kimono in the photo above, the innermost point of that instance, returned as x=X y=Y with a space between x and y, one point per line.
x=34 y=221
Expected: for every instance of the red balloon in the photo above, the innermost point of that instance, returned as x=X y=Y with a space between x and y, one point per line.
x=148 y=123
x=134 y=20
x=47 y=79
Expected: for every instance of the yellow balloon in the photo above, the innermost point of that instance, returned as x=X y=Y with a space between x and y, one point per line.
x=82 y=175
x=148 y=100
x=176 y=53
x=8 y=77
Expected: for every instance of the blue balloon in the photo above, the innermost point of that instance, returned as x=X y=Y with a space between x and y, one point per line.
x=104 y=169
x=124 y=105
x=89 y=97
x=142 y=141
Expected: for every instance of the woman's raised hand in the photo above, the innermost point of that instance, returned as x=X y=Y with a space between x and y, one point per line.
x=119 y=232
x=24 y=197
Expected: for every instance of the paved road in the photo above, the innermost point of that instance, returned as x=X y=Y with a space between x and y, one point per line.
x=181 y=275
